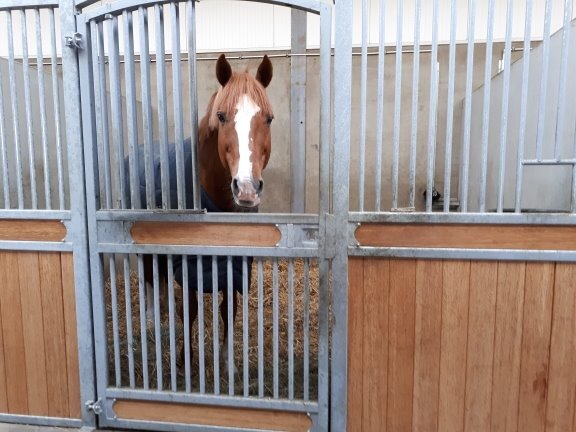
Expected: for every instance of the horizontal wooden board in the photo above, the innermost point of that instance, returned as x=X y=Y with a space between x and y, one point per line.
x=32 y=230
x=213 y=234
x=525 y=237
x=212 y=416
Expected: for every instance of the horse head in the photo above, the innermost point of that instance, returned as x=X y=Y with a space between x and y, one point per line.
x=242 y=114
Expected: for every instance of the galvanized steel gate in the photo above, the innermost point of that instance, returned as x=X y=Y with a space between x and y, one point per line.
x=142 y=380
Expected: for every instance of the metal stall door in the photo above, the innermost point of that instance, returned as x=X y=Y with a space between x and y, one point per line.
x=154 y=369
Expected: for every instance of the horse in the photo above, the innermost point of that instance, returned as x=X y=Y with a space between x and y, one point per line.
x=234 y=146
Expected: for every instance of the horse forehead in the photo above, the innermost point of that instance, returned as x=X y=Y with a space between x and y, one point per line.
x=246 y=108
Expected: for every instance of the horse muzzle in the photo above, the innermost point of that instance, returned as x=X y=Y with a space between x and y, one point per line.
x=247 y=192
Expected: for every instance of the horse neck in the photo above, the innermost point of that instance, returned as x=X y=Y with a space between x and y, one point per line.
x=215 y=179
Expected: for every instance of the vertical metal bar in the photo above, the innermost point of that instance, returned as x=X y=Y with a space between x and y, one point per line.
x=162 y=105
x=363 y=91
x=260 y=329
x=157 y=324
x=432 y=116
x=28 y=109
x=505 y=106
x=115 y=330
x=415 y=93
x=172 y=323
x=290 y=329
x=397 y=103
x=191 y=21
x=561 y=109
x=4 y=150
x=186 y=313
x=465 y=160
x=486 y=106
x=131 y=111
x=380 y=107
x=116 y=107
x=15 y=115
x=129 y=331
x=450 y=108
x=542 y=109
x=94 y=123
x=325 y=111
x=201 y=355
x=103 y=109
x=56 y=102
x=306 y=325
x=143 y=322
x=146 y=108
x=245 y=323
x=230 y=338
x=275 y=327
x=298 y=110
x=42 y=101
x=177 y=95
x=340 y=171
x=216 y=337
x=523 y=104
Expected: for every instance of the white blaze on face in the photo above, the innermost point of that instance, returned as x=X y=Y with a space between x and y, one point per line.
x=246 y=109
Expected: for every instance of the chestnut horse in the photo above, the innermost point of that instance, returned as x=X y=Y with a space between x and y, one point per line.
x=234 y=144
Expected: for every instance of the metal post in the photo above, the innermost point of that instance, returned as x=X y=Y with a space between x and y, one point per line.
x=298 y=111
x=342 y=103
x=77 y=231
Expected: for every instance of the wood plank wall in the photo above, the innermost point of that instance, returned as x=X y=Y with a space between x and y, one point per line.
x=461 y=346
x=39 y=372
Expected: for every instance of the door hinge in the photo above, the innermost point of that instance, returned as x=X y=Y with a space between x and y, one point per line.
x=94 y=406
x=74 y=41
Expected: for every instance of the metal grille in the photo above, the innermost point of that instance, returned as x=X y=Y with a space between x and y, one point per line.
x=32 y=145
x=471 y=100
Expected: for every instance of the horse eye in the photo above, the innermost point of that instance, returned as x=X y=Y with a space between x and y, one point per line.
x=269 y=119
x=221 y=116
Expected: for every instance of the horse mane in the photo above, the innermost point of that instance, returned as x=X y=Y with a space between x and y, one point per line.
x=226 y=99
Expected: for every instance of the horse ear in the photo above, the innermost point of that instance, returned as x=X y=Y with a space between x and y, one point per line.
x=223 y=70
x=264 y=73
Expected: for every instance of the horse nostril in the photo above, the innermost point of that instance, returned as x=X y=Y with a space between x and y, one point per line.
x=235 y=188
x=260 y=187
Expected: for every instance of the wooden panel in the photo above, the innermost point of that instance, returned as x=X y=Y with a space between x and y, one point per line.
x=32 y=230
x=507 y=346
x=538 y=294
x=562 y=373
x=468 y=236
x=428 y=326
x=69 y=304
x=212 y=415
x=54 y=337
x=480 y=352
x=213 y=234
x=375 y=339
x=401 y=344
x=33 y=326
x=3 y=394
x=454 y=335
x=355 y=343
x=15 y=358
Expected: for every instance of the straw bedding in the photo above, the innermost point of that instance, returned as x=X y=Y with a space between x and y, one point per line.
x=122 y=376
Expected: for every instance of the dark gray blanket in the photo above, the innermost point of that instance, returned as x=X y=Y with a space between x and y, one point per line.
x=206 y=203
